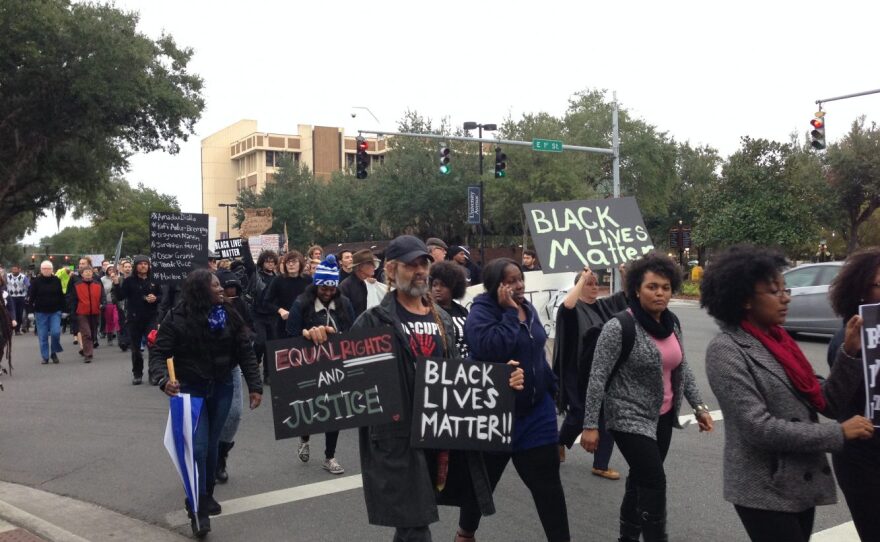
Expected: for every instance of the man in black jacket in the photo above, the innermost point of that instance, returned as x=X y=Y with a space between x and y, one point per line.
x=142 y=296
x=355 y=286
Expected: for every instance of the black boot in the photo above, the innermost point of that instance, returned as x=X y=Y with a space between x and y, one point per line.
x=652 y=509
x=630 y=522
x=203 y=526
x=222 y=476
x=209 y=506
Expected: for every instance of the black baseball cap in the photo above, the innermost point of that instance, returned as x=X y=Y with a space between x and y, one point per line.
x=406 y=248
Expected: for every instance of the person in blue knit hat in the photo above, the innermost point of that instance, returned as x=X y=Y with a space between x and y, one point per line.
x=318 y=312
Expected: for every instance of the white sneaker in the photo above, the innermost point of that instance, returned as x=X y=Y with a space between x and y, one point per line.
x=303 y=451
x=332 y=466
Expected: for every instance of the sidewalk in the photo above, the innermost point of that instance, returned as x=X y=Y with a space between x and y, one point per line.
x=31 y=515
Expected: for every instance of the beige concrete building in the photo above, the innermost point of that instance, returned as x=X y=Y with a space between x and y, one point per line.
x=239 y=157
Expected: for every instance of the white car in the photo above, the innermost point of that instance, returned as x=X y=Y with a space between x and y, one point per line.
x=810 y=310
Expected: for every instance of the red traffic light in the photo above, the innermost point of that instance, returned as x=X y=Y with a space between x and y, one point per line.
x=817 y=123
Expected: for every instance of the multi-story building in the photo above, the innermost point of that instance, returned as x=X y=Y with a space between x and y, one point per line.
x=239 y=157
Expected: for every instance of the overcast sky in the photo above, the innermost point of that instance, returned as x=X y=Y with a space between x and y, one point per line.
x=707 y=72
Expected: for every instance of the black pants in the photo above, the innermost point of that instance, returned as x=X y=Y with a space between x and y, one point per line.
x=857 y=469
x=330 y=440
x=264 y=328
x=137 y=328
x=770 y=526
x=16 y=304
x=538 y=468
x=645 y=457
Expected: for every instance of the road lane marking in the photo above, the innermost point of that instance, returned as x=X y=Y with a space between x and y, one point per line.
x=274 y=498
x=842 y=533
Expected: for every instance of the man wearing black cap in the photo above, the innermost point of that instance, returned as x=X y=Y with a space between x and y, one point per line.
x=142 y=296
x=398 y=489
x=462 y=257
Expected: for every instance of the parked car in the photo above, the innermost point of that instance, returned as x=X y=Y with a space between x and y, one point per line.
x=809 y=310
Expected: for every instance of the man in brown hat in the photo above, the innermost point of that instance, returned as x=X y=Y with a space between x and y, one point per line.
x=354 y=287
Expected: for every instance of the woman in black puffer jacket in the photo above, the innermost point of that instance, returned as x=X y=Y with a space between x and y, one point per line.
x=207 y=338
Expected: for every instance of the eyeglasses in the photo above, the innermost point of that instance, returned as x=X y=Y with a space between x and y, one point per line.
x=778 y=293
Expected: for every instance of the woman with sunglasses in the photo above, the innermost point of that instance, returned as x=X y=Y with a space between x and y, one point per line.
x=775 y=468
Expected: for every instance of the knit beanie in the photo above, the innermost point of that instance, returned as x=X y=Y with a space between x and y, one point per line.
x=327 y=272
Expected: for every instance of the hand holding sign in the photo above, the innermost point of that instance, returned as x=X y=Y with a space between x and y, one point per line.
x=857 y=428
x=517 y=377
x=852 y=342
x=318 y=334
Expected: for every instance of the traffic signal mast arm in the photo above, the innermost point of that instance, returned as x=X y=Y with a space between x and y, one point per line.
x=485 y=140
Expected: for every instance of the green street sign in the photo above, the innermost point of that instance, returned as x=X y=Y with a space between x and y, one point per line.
x=546 y=145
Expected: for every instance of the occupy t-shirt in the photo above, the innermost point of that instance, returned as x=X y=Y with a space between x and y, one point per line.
x=422 y=332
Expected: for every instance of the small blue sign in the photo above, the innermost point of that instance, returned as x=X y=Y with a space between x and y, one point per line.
x=474 y=211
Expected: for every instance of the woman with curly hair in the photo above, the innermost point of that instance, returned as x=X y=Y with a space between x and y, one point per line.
x=640 y=394
x=207 y=338
x=857 y=466
x=448 y=283
x=775 y=470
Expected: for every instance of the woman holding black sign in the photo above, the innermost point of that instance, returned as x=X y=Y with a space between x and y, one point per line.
x=775 y=469
x=857 y=466
x=504 y=326
x=638 y=379
x=207 y=338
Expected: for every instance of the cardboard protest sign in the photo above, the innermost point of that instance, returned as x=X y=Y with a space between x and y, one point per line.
x=256 y=221
x=600 y=233
x=228 y=248
x=352 y=380
x=462 y=405
x=178 y=244
x=871 y=358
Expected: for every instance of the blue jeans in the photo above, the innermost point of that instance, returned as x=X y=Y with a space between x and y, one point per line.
x=217 y=395
x=49 y=323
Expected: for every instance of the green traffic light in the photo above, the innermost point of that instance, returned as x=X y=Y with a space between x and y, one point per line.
x=445 y=170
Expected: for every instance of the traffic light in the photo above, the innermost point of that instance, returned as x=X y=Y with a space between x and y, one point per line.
x=500 y=163
x=362 y=159
x=443 y=154
x=818 y=132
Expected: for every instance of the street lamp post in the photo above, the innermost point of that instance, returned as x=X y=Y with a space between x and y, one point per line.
x=227 y=205
x=480 y=128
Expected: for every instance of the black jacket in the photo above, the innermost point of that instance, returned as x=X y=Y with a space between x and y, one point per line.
x=303 y=315
x=199 y=361
x=355 y=290
x=135 y=290
x=46 y=295
x=398 y=479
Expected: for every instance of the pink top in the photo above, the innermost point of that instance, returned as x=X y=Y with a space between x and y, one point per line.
x=670 y=354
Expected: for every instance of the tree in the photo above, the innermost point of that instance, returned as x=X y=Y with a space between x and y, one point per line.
x=80 y=91
x=767 y=195
x=122 y=209
x=854 y=176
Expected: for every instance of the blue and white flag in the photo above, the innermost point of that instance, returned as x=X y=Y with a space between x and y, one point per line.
x=183 y=418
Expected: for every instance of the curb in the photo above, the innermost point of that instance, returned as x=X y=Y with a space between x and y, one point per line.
x=35 y=525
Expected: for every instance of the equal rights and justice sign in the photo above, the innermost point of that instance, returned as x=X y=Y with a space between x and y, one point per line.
x=871 y=359
x=178 y=244
x=599 y=233
x=349 y=381
x=462 y=405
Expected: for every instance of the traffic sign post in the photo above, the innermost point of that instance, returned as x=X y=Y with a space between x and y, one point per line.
x=547 y=145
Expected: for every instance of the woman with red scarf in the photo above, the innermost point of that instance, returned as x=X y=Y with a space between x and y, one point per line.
x=775 y=467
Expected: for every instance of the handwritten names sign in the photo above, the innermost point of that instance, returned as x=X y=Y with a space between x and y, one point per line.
x=178 y=244
x=462 y=405
x=352 y=380
x=600 y=233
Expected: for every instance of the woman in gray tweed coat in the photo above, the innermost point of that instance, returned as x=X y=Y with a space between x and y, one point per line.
x=642 y=397
x=775 y=468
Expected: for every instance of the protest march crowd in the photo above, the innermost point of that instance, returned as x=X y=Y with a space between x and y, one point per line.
x=617 y=375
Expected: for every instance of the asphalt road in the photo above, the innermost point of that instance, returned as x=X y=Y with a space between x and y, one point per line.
x=85 y=432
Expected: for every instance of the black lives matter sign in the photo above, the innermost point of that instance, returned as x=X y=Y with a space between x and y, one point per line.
x=228 y=249
x=349 y=381
x=178 y=244
x=871 y=359
x=569 y=235
x=462 y=405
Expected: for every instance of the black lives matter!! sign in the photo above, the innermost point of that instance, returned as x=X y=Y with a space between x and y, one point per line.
x=178 y=244
x=599 y=233
x=871 y=359
x=462 y=405
x=228 y=249
x=349 y=381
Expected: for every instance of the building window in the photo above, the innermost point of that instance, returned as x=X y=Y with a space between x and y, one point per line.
x=275 y=158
